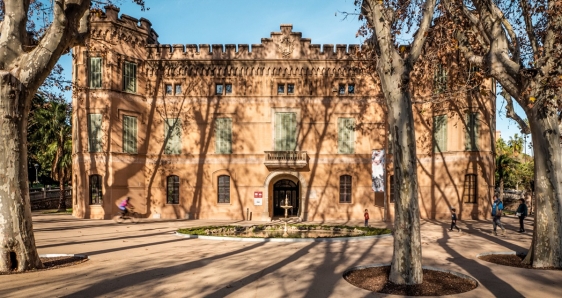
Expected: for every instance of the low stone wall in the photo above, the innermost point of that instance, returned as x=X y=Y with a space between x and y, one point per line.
x=49 y=203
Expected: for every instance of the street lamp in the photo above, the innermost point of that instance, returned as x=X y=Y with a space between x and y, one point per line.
x=36 y=176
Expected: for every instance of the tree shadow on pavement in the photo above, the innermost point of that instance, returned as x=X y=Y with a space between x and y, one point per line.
x=111 y=284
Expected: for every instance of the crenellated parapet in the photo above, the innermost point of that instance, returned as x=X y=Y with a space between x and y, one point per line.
x=284 y=45
x=108 y=26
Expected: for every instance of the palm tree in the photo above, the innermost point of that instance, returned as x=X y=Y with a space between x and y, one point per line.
x=54 y=134
x=505 y=166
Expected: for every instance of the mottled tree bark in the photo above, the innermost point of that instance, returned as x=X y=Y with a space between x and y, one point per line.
x=23 y=68
x=17 y=243
x=394 y=71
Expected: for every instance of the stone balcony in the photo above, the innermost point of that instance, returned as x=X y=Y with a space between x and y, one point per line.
x=286 y=159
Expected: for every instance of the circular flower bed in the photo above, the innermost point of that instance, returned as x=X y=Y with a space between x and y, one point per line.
x=436 y=282
x=511 y=259
x=277 y=231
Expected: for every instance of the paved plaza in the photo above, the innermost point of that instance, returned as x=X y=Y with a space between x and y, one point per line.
x=148 y=260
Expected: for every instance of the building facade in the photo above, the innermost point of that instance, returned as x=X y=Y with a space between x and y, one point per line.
x=235 y=132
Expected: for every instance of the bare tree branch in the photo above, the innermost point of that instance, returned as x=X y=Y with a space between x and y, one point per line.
x=60 y=35
x=13 y=30
x=529 y=26
x=419 y=38
x=511 y=114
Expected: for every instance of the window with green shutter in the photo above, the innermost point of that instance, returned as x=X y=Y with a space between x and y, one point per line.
x=440 y=79
x=172 y=134
x=129 y=134
x=94 y=133
x=95 y=72
x=346 y=135
x=130 y=77
x=440 y=133
x=223 y=136
x=285 y=131
x=472 y=131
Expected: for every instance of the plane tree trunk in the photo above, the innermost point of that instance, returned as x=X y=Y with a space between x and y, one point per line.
x=17 y=243
x=24 y=65
x=394 y=71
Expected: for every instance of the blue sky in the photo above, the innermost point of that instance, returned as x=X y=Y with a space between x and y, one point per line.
x=247 y=21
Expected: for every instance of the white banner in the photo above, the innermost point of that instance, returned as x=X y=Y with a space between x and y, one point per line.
x=377 y=166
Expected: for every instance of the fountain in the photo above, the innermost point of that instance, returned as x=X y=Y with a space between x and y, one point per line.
x=286 y=207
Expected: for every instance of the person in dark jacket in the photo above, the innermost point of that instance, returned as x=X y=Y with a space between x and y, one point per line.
x=521 y=213
x=454 y=220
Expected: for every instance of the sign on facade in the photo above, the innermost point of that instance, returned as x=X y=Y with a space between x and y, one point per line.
x=258 y=194
x=257 y=202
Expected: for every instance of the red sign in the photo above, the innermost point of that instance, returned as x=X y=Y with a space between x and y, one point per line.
x=258 y=194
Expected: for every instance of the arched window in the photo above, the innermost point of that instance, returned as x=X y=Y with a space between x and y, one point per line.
x=345 y=189
x=173 y=190
x=224 y=189
x=95 y=190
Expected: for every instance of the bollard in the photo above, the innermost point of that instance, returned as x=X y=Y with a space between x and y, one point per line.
x=247 y=213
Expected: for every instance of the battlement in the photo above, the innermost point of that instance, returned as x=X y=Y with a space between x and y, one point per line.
x=280 y=45
x=111 y=14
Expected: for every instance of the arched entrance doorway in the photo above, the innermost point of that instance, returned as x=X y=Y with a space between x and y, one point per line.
x=286 y=188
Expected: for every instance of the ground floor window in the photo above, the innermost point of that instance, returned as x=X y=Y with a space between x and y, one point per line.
x=345 y=189
x=95 y=190
x=469 y=195
x=224 y=189
x=173 y=190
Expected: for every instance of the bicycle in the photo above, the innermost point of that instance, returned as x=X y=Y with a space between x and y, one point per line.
x=131 y=215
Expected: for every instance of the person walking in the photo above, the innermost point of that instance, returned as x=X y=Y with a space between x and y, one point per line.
x=454 y=220
x=521 y=213
x=366 y=215
x=497 y=210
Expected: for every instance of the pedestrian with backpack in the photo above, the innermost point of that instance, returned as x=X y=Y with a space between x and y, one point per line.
x=497 y=211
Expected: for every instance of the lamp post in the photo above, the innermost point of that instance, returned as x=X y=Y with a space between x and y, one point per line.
x=36 y=176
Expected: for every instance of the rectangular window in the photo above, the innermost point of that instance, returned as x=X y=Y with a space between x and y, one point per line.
x=346 y=135
x=178 y=89
x=224 y=189
x=392 y=188
x=94 y=133
x=345 y=189
x=290 y=88
x=341 y=89
x=281 y=89
x=228 y=88
x=129 y=134
x=130 y=77
x=469 y=195
x=351 y=89
x=223 y=136
x=440 y=133
x=440 y=79
x=95 y=72
x=169 y=89
x=285 y=131
x=173 y=190
x=472 y=127
x=172 y=133
x=96 y=190
x=219 y=89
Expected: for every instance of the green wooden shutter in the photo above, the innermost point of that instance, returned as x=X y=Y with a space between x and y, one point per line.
x=172 y=132
x=472 y=131
x=440 y=133
x=130 y=77
x=223 y=136
x=346 y=135
x=278 y=131
x=129 y=134
x=228 y=136
x=94 y=132
x=476 y=130
x=291 y=131
x=95 y=72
